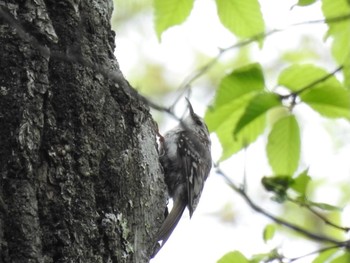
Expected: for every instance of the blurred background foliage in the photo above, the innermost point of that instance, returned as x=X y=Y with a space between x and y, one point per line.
x=291 y=44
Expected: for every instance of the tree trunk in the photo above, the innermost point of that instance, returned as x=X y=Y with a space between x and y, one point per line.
x=79 y=173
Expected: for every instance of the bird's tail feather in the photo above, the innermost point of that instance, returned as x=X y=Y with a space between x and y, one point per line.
x=169 y=225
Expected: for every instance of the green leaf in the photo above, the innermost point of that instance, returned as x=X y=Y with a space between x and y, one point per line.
x=276 y=114
x=307 y=53
x=303 y=201
x=341 y=46
x=265 y=257
x=324 y=206
x=325 y=256
x=170 y=12
x=257 y=258
x=346 y=72
x=283 y=146
x=301 y=182
x=234 y=256
x=329 y=101
x=344 y=258
x=240 y=82
x=339 y=32
x=328 y=97
x=242 y=18
x=258 y=106
x=306 y=2
x=269 y=232
x=299 y=76
x=338 y=29
x=232 y=144
x=235 y=92
x=217 y=116
x=278 y=185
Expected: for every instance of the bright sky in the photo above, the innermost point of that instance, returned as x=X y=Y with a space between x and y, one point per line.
x=207 y=236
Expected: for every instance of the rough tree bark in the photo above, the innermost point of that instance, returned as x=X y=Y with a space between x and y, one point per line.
x=79 y=173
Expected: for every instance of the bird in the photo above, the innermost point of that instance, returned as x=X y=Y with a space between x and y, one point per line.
x=185 y=155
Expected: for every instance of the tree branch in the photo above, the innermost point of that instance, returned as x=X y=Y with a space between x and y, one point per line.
x=186 y=84
x=323 y=218
x=294 y=94
x=277 y=220
x=318 y=81
x=313 y=253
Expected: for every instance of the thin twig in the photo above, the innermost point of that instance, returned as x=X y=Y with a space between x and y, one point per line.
x=313 y=84
x=117 y=76
x=319 y=215
x=186 y=84
x=328 y=222
x=330 y=20
x=318 y=81
x=277 y=220
x=313 y=253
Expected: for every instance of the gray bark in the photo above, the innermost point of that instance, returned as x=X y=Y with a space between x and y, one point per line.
x=80 y=179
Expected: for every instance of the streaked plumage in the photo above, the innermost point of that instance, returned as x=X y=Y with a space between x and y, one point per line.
x=186 y=160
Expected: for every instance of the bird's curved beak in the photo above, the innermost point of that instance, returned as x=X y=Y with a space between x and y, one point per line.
x=190 y=107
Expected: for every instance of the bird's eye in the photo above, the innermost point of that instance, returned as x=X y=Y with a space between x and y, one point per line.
x=198 y=122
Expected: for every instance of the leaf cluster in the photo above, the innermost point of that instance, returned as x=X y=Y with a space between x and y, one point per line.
x=245 y=107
